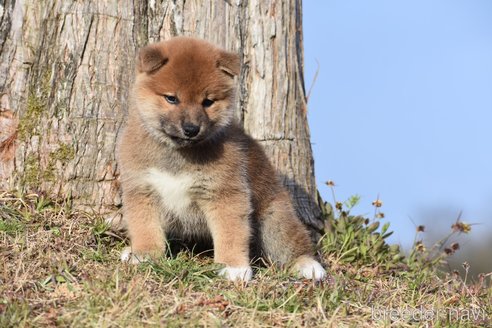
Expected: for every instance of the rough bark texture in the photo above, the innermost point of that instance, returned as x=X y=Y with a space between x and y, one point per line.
x=66 y=68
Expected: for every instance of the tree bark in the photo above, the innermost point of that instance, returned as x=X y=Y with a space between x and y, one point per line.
x=66 y=68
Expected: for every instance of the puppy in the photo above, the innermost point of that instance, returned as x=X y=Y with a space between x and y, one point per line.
x=188 y=170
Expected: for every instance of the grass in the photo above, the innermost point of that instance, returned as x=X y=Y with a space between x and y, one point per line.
x=60 y=267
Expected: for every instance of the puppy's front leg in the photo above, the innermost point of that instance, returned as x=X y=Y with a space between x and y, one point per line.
x=228 y=221
x=141 y=213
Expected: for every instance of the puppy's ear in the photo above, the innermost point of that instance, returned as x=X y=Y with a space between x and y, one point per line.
x=229 y=62
x=150 y=59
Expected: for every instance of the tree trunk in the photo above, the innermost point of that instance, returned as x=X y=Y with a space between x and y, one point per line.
x=66 y=68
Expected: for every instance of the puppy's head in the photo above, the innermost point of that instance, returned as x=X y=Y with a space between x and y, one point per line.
x=185 y=89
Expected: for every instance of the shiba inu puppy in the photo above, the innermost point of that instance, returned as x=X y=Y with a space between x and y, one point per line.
x=187 y=169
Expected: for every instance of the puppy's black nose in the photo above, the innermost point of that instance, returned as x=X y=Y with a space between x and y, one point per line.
x=190 y=130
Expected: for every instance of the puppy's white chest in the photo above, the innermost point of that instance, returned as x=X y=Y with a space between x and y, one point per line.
x=173 y=189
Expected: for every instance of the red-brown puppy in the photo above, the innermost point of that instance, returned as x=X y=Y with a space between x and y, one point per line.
x=187 y=169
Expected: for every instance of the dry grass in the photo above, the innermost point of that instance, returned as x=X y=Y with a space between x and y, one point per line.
x=60 y=267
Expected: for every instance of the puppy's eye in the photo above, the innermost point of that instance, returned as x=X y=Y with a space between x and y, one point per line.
x=171 y=99
x=207 y=102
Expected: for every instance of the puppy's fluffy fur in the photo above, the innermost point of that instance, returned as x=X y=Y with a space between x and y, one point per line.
x=188 y=170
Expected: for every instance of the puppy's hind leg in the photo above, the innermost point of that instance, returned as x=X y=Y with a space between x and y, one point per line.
x=285 y=239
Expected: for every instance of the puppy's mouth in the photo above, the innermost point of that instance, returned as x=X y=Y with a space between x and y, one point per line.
x=183 y=141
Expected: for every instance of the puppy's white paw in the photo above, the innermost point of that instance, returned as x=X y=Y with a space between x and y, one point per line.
x=128 y=257
x=237 y=273
x=309 y=268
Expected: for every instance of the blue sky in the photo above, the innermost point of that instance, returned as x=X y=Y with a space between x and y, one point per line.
x=402 y=107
